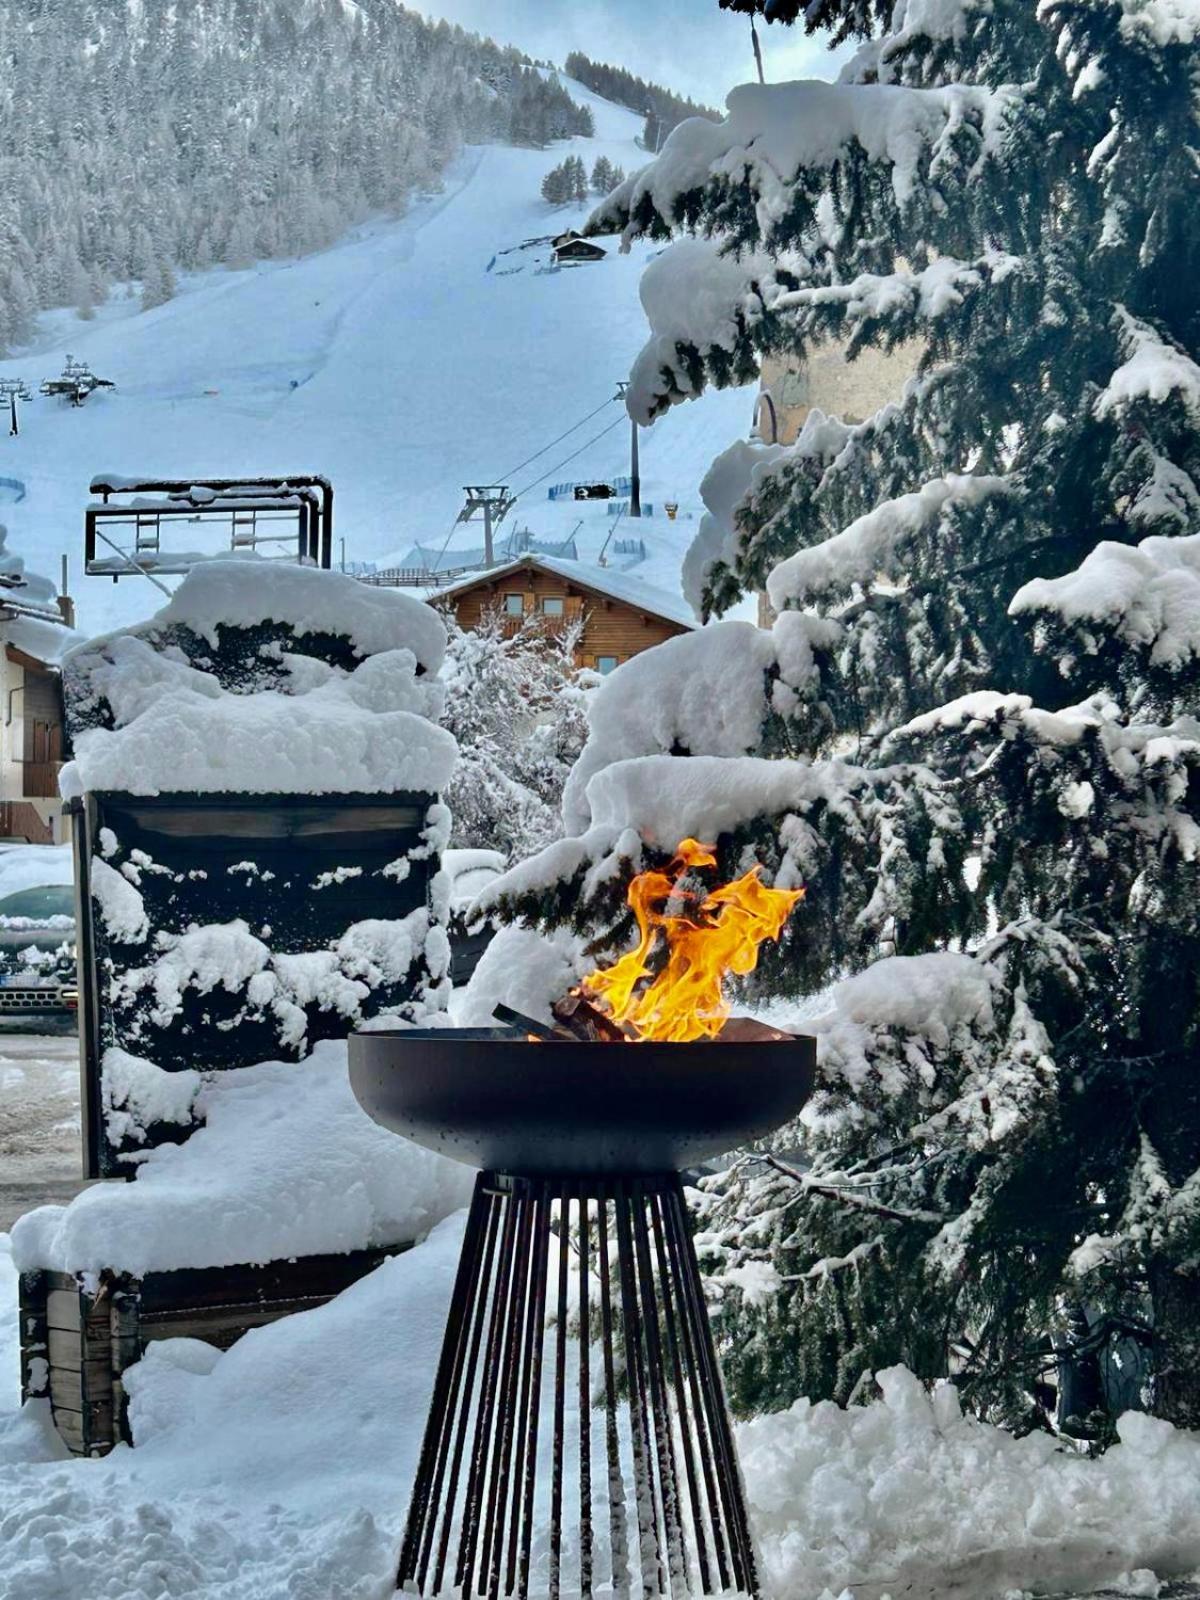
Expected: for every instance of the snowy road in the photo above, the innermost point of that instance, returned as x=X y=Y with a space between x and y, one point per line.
x=39 y=1122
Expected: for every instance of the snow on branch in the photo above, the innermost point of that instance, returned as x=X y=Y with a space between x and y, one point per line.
x=1147 y=595
x=775 y=134
x=873 y=545
x=703 y=303
x=1154 y=369
x=699 y=694
x=729 y=481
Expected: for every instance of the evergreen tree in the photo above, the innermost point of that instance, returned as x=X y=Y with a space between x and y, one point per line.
x=605 y=176
x=231 y=130
x=558 y=184
x=972 y=730
x=579 y=179
x=515 y=703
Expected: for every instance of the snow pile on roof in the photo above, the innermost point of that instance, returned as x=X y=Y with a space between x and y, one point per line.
x=703 y=693
x=1147 y=594
x=153 y=712
x=773 y=130
x=627 y=587
x=230 y=594
x=286 y=1164
x=31 y=586
x=45 y=641
x=908 y=1495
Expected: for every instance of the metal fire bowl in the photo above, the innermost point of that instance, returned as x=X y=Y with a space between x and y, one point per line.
x=509 y=1104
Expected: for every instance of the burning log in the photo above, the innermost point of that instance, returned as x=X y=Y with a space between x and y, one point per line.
x=583 y=1019
x=518 y=1021
x=669 y=989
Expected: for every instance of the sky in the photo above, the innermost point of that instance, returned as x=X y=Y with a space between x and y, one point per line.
x=688 y=45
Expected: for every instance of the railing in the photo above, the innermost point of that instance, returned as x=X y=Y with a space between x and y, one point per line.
x=414 y=577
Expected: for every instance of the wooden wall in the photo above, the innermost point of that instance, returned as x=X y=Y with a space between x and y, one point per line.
x=611 y=627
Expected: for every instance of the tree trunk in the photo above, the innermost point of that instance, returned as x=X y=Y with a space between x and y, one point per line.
x=1176 y=1300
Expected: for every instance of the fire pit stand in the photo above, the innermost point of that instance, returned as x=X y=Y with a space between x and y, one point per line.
x=577 y=1316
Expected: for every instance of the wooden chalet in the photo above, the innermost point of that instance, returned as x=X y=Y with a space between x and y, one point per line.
x=572 y=246
x=619 y=616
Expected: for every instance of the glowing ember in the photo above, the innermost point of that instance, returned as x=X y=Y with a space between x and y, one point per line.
x=704 y=935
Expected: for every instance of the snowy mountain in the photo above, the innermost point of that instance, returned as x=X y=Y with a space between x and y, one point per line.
x=411 y=358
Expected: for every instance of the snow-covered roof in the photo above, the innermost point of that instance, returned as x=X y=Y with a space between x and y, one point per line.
x=35 y=634
x=623 y=586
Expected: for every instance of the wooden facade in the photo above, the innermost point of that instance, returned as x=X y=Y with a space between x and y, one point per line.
x=612 y=627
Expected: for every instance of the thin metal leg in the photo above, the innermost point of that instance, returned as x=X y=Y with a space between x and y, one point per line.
x=418 y=1531
x=672 y=1321
x=510 y=1364
x=478 y=1316
x=745 y=1574
x=486 y=1415
x=560 y=1393
x=585 y=1403
x=656 y=1375
x=538 y=1328
x=643 y=1470
x=693 y=1531
x=618 y=1532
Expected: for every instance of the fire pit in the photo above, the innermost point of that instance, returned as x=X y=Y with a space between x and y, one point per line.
x=581 y=1131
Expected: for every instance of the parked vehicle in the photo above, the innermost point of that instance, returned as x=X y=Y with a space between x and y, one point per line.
x=37 y=932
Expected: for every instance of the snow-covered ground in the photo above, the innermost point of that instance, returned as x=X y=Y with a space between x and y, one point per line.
x=412 y=358
x=280 y=1470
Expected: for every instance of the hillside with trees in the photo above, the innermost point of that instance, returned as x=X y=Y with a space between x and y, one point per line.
x=662 y=109
x=276 y=128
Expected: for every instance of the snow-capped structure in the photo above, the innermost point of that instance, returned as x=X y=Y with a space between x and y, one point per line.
x=257 y=771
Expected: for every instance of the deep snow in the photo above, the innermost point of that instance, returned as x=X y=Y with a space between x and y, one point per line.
x=280 y=1470
x=423 y=357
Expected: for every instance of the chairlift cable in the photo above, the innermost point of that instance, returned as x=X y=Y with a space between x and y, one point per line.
x=549 y=473
x=505 y=477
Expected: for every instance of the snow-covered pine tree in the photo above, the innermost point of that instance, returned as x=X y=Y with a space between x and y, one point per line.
x=558 y=184
x=972 y=730
x=515 y=704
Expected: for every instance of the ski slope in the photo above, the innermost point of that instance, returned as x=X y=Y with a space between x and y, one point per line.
x=414 y=357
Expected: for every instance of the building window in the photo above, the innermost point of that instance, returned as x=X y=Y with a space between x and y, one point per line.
x=552 y=605
x=606 y=664
x=514 y=605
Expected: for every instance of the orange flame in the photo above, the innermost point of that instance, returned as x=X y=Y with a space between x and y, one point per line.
x=707 y=935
